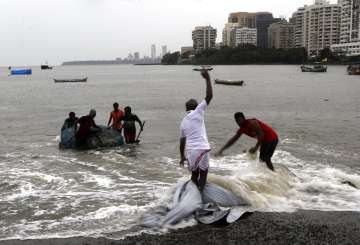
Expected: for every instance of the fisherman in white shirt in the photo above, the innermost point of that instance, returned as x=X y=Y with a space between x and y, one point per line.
x=194 y=138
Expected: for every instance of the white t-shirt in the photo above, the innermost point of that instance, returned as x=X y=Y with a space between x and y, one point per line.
x=193 y=128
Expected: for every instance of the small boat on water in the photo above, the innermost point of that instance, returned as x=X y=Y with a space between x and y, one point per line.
x=229 y=82
x=354 y=69
x=316 y=67
x=20 y=71
x=81 y=80
x=46 y=67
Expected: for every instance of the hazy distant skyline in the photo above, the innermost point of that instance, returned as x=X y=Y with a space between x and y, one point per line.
x=36 y=31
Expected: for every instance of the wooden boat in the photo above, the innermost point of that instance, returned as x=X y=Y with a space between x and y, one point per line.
x=82 y=80
x=21 y=72
x=316 y=67
x=354 y=69
x=229 y=82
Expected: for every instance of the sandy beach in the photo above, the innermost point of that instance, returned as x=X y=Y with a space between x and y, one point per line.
x=302 y=227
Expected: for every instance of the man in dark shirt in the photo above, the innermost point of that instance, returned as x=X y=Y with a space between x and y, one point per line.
x=70 y=121
x=129 y=125
x=87 y=127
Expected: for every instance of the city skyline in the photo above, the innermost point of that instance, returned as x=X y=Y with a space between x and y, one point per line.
x=33 y=32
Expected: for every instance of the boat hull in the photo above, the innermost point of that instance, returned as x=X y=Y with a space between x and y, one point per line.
x=21 y=72
x=46 y=67
x=105 y=138
x=353 y=70
x=313 y=69
x=83 y=80
x=229 y=82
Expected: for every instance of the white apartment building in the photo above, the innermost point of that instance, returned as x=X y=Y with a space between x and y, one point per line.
x=245 y=36
x=349 y=28
x=317 y=26
x=229 y=34
x=204 y=37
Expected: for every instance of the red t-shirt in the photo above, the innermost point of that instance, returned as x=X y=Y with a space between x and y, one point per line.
x=116 y=116
x=269 y=134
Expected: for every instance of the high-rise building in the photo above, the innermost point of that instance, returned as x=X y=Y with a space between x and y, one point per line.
x=262 y=22
x=281 y=35
x=349 y=28
x=228 y=34
x=163 y=50
x=259 y=20
x=153 y=51
x=246 y=36
x=298 y=21
x=204 y=37
x=317 y=26
x=244 y=19
x=136 y=56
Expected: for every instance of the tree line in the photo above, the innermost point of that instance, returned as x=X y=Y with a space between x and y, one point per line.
x=249 y=54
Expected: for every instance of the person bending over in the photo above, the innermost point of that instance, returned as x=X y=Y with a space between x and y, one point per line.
x=87 y=127
x=267 y=138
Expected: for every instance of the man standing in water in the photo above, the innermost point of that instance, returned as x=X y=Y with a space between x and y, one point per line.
x=129 y=125
x=267 y=138
x=194 y=137
x=116 y=116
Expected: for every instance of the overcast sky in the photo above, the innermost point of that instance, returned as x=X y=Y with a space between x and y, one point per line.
x=36 y=31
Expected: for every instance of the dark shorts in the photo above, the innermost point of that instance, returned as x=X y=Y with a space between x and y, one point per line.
x=130 y=136
x=267 y=150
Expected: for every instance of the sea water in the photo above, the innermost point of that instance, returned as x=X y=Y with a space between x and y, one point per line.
x=46 y=192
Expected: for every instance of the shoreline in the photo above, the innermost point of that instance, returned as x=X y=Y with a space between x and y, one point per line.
x=301 y=227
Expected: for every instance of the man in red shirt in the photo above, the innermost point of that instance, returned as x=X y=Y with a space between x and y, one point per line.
x=116 y=117
x=267 y=138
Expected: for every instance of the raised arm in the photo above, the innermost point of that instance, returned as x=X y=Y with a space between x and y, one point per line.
x=229 y=143
x=209 y=90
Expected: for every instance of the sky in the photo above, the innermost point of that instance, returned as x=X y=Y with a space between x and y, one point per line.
x=33 y=32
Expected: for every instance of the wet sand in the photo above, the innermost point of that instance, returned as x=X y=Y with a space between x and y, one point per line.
x=303 y=227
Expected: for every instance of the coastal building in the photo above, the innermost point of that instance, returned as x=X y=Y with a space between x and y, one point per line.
x=281 y=35
x=298 y=21
x=317 y=26
x=262 y=22
x=246 y=36
x=163 y=50
x=153 y=51
x=186 y=49
x=136 y=56
x=229 y=34
x=349 y=29
x=244 y=19
x=204 y=37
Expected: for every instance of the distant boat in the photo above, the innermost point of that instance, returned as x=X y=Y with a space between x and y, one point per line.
x=229 y=82
x=46 y=67
x=82 y=80
x=354 y=69
x=21 y=71
x=316 y=67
